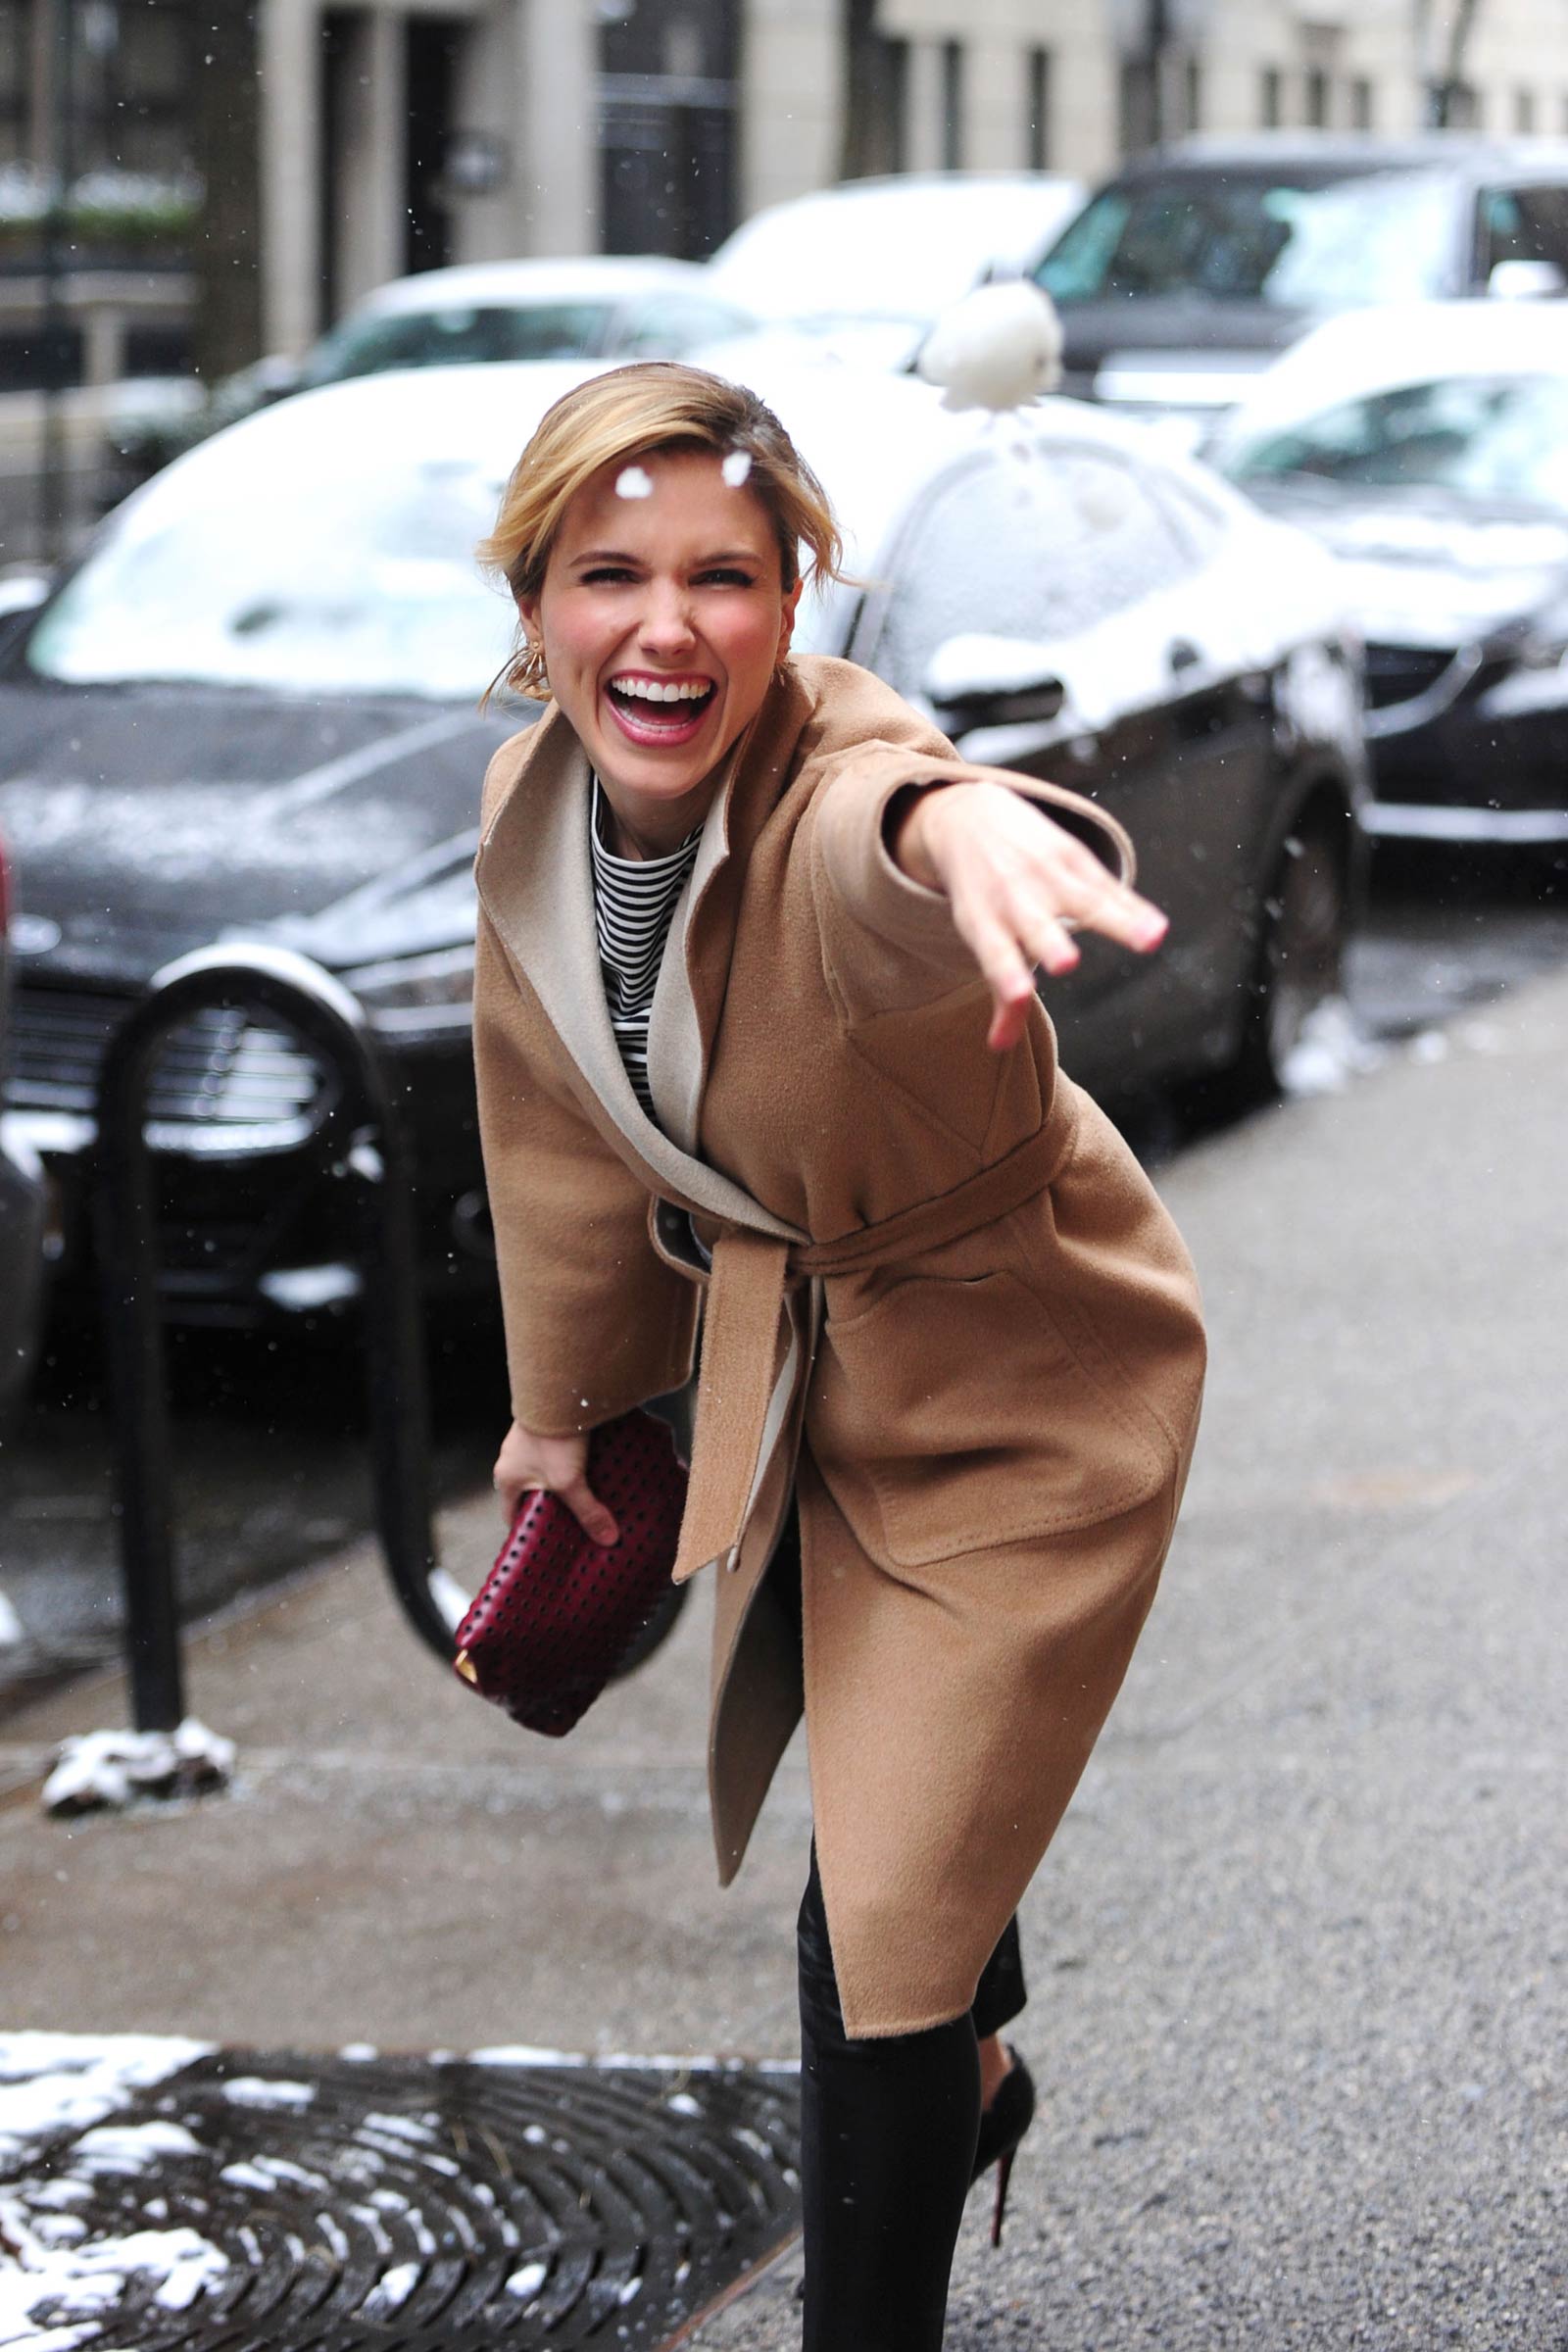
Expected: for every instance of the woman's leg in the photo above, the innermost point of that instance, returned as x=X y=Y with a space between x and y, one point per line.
x=888 y=2132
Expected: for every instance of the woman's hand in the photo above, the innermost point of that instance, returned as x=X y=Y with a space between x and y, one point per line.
x=560 y=1466
x=1018 y=885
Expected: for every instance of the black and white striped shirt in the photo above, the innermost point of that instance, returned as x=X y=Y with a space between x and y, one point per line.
x=634 y=902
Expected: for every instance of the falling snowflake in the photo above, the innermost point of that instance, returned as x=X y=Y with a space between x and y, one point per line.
x=737 y=468
x=633 y=482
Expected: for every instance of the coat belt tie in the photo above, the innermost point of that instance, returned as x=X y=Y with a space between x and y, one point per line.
x=748 y=1290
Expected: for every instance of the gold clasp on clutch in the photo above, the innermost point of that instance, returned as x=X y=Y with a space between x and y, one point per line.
x=465 y=1666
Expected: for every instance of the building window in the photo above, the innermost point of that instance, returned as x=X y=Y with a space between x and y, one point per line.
x=1037 y=123
x=15 y=76
x=1360 y=103
x=952 y=105
x=1317 y=97
x=1193 y=94
x=1524 y=111
x=896 y=63
x=1272 y=98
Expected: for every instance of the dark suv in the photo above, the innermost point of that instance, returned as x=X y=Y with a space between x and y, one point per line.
x=1199 y=263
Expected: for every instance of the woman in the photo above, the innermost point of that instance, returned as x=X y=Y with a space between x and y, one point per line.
x=756 y=1017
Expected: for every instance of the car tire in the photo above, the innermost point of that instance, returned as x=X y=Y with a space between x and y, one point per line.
x=1300 y=964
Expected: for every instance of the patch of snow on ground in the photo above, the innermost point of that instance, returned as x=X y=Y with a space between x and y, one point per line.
x=115 y=1768
x=254 y=2091
x=1331 y=1050
x=241 y=2175
x=11 y=1632
x=115 y=2148
x=55 y=2083
x=448 y=1596
x=85 y=2282
x=391 y=2290
x=681 y=2102
x=528 y=2280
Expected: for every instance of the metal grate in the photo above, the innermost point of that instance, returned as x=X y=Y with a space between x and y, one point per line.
x=426 y=2206
x=217 y=1073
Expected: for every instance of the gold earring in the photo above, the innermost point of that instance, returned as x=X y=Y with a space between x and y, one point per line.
x=528 y=675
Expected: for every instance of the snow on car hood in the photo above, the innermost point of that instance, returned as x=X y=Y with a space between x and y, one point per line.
x=146 y=821
x=1431 y=574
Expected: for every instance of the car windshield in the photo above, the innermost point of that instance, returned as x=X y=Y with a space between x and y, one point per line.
x=1255 y=238
x=459 y=333
x=342 y=577
x=1488 y=439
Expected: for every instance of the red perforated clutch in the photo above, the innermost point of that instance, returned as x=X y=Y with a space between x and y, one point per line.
x=558 y=1613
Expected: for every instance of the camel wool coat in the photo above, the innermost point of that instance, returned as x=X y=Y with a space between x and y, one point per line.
x=945 y=1306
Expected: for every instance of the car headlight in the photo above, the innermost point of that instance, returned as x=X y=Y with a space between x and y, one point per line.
x=417 y=996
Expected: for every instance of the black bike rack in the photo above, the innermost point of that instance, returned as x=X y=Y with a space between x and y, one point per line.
x=363 y=1138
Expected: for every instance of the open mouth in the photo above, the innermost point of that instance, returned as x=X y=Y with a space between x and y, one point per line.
x=656 y=710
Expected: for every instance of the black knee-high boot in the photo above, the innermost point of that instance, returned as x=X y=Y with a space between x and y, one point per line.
x=888 y=2132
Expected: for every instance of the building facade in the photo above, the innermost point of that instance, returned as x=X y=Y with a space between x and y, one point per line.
x=388 y=135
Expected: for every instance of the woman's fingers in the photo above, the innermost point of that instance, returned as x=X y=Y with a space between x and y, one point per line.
x=529 y=1462
x=596 y=1522
x=1007 y=969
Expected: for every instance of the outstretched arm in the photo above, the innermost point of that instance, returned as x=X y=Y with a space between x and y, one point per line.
x=1017 y=885
x=929 y=876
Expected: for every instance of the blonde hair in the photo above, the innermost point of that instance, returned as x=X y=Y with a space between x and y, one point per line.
x=639 y=412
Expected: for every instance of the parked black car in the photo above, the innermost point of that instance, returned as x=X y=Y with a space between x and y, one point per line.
x=22 y=1206
x=1428 y=449
x=251 y=712
x=1199 y=263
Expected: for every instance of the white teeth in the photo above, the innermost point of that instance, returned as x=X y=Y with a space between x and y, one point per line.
x=649 y=690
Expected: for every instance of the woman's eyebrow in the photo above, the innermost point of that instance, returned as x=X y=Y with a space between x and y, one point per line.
x=619 y=555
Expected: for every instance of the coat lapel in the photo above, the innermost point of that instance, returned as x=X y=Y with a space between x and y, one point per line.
x=535 y=879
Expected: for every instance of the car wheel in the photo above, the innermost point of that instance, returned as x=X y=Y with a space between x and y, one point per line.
x=1300 y=955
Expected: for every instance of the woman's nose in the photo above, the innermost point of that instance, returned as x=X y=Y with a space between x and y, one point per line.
x=667 y=620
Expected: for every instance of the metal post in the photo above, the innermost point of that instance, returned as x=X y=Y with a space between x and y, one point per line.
x=364 y=1135
x=54 y=457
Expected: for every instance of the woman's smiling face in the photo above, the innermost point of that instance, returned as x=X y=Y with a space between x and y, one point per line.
x=662 y=616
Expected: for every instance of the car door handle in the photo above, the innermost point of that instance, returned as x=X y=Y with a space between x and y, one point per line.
x=1182 y=653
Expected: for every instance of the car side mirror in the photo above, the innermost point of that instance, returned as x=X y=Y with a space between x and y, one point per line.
x=978 y=681
x=1525 y=282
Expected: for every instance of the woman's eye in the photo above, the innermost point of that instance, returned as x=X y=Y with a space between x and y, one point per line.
x=604 y=573
x=726 y=578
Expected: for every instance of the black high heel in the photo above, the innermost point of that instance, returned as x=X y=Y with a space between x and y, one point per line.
x=1002 y=2126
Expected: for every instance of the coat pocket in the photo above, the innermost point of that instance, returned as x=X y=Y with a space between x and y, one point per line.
x=956 y=1409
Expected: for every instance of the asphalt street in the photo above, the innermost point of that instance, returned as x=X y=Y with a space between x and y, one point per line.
x=1299 y=1963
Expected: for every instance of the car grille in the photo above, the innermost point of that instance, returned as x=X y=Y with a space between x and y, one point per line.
x=222 y=1083
x=1398 y=673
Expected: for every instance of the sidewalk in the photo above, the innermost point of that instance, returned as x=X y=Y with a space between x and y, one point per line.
x=1299 y=1970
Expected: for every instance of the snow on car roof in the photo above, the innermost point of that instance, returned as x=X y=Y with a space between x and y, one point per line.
x=1361 y=353
x=896 y=246
x=587 y=277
